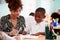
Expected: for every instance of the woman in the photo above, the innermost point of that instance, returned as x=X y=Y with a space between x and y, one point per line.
x=13 y=23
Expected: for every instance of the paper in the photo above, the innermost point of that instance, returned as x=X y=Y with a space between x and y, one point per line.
x=28 y=36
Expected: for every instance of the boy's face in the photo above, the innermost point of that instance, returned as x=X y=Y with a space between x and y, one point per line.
x=39 y=17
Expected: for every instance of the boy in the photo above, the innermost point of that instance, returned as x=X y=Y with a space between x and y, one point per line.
x=37 y=25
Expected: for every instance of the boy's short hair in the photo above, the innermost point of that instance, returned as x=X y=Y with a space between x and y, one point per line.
x=31 y=14
x=40 y=9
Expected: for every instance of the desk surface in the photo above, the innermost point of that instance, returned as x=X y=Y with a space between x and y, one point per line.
x=56 y=28
x=41 y=37
x=25 y=37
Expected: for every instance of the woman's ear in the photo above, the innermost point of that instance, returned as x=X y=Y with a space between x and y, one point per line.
x=44 y=16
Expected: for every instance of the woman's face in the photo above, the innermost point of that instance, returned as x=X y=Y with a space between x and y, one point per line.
x=16 y=13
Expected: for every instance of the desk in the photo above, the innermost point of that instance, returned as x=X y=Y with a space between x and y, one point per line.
x=41 y=37
x=57 y=30
x=25 y=37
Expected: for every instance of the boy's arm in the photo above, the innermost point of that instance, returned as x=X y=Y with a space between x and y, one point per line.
x=39 y=33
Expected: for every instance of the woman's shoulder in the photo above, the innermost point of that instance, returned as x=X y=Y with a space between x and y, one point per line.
x=21 y=17
x=4 y=17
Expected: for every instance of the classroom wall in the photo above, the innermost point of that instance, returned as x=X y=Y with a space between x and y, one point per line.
x=56 y=5
x=31 y=5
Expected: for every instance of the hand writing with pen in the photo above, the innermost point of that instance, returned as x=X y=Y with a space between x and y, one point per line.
x=13 y=32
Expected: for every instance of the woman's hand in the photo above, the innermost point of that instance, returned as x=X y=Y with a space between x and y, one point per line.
x=13 y=32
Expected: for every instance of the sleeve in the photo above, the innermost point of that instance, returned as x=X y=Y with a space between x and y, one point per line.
x=2 y=23
x=27 y=29
x=28 y=26
x=24 y=25
x=22 y=19
x=42 y=27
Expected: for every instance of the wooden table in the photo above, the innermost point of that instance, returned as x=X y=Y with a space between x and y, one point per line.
x=25 y=37
x=57 y=30
x=41 y=37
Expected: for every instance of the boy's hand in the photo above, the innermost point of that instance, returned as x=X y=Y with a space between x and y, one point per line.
x=37 y=34
x=24 y=32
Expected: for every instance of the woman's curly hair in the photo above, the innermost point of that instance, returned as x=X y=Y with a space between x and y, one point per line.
x=14 y=4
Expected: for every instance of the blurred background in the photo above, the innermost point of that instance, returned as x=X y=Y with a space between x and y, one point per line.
x=30 y=6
